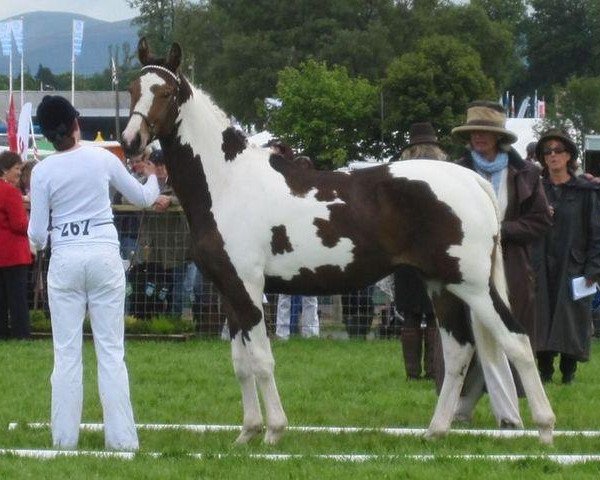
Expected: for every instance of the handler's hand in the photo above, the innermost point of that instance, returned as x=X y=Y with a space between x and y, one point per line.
x=162 y=203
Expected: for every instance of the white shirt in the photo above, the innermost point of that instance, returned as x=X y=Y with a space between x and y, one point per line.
x=70 y=190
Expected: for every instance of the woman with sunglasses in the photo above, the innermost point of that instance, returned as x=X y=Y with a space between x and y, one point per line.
x=570 y=249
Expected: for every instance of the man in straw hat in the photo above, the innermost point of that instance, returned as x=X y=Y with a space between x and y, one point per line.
x=525 y=218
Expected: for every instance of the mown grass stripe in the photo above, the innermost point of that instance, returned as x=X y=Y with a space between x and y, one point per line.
x=202 y=428
x=52 y=454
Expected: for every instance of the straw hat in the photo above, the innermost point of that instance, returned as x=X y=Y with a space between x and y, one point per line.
x=484 y=116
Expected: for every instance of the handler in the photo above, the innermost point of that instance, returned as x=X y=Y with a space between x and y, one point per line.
x=70 y=188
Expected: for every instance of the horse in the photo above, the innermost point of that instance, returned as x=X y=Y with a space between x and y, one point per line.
x=259 y=223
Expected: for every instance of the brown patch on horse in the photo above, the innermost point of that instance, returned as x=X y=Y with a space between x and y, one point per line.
x=280 y=242
x=234 y=143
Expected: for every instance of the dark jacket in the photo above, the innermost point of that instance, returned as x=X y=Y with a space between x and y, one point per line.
x=526 y=219
x=571 y=248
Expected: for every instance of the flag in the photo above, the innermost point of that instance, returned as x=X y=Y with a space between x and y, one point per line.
x=115 y=79
x=5 y=38
x=23 y=131
x=523 y=108
x=541 y=108
x=11 y=126
x=17 y=30
x=77 y=37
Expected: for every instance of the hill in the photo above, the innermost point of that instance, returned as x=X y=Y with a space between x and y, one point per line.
x=47 y=41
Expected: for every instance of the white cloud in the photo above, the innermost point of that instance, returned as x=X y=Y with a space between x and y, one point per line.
x=110 y=10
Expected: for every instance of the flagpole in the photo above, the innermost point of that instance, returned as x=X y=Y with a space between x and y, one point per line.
x=10 y=72
x=22 y=82
x=72 y=74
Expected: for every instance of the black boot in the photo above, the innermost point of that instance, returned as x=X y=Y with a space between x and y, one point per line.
x=545 y=365
x=568 y=366
x=412 y=348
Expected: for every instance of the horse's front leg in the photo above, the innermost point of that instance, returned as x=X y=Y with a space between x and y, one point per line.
x=252 y=424
x=254 y=366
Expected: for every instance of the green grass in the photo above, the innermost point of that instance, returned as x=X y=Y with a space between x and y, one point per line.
x=321 y=382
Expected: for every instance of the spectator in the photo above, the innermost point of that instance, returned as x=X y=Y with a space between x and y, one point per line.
x=15 y=256
x=525 y=217
x=531 y=156
x=165 y=243
x=309 y=320
x=418 y=333
x=571 y=248
x=69 y=197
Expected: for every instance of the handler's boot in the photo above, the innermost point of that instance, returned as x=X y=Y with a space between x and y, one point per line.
x=431 y=340
x=412 y=347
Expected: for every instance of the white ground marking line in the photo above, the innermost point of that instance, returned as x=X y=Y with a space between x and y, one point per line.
x=336 y=430
x=51 y=454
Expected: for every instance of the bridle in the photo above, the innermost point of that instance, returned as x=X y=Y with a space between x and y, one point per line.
x=151 y=125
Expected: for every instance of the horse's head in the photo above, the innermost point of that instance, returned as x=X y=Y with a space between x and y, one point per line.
x=155 y=99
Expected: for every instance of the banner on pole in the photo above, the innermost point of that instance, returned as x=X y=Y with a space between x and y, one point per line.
x=23 y=131
x=17 y=30
x=5 y=38
x=77 y=36
x=11 y=126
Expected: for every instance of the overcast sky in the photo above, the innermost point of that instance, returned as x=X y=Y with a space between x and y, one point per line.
x=110 y=10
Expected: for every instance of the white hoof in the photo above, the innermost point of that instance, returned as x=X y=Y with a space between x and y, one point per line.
x=546 y=435
x=248 y=434
x=433 y=434
x=273 y=435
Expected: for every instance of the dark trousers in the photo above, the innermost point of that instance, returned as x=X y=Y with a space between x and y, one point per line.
x=13 y=302
x=567 y=365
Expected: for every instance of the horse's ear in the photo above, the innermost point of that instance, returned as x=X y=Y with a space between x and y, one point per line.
x=143 y=51
x=174 y=57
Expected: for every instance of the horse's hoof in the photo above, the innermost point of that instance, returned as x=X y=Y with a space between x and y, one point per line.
x=248 y=434
x=273 y=435
x=431 y=434
x=546 y=435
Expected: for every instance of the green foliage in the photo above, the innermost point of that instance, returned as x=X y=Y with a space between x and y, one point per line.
x=562 y=40
x=434 y=83
x=578 y=106
x=161 y=325
x=325 y=112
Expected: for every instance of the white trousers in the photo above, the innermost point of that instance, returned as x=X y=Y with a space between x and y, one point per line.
x=91 y=277
x=309 y=321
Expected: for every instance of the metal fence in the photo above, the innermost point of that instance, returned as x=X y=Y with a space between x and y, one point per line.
x=163 y=282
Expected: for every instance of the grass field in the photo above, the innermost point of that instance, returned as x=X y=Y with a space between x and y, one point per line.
x=321 y=382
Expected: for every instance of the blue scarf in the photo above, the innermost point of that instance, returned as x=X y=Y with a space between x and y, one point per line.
x=491 y=170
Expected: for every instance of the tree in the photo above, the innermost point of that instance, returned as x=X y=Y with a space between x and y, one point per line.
x=324 y=113
x=578 y=106
x=157 y=20
x=562 y=40
x=435 y=83
x=45 y=77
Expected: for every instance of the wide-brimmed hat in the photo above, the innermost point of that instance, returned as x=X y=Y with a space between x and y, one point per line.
x=55 y=115
x=421 y=133
x=561 y=136
x=485 y=116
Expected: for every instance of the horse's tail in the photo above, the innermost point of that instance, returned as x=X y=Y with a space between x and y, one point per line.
x=497 y=275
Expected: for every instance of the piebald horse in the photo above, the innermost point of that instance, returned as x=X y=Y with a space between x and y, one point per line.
x=260 y=223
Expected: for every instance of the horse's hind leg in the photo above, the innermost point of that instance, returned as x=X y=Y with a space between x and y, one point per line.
x=457 y=345
x=494 y=315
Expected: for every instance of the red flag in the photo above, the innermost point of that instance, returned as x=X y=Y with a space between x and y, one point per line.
x=11 y=127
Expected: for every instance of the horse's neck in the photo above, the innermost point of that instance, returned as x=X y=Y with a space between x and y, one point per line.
x=201 y=126
x=196 y=161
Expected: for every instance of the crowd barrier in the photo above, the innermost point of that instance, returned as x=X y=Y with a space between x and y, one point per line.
x=162 y=281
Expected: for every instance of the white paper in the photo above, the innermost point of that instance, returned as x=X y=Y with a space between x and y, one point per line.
x=580 y=289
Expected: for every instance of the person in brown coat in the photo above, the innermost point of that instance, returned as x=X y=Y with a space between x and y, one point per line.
x=418 y=333
x=525 y=218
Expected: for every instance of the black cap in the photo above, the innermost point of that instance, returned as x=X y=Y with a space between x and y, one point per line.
x=55 y=115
